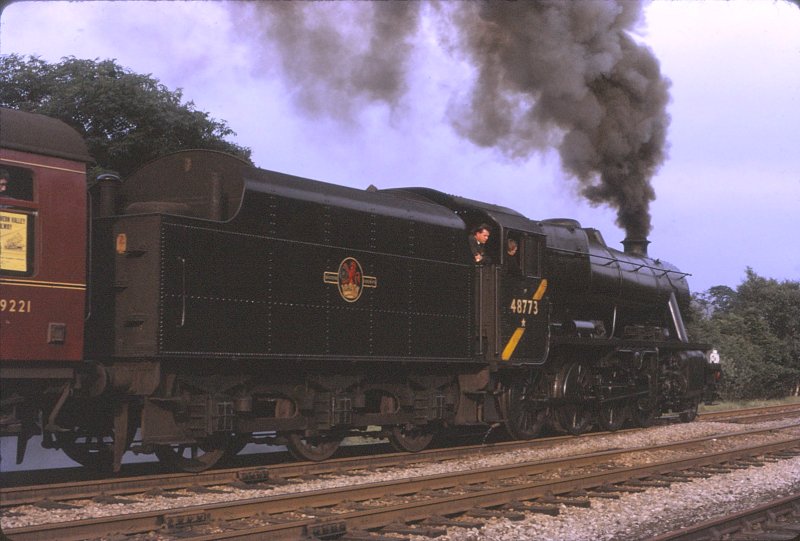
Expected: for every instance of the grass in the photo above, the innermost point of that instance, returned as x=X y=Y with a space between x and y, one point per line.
x=742 y=404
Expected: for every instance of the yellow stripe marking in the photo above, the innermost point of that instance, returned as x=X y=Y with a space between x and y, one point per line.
x=540 y=290
x=38 y=283
x=513 y=342
x=34 y=164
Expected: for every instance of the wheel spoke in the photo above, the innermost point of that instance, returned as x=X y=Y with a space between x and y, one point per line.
x=202 y=455
x=410 y=438
x=313 y=449
x=525 y=418
x=612 y=415
x=575 y=416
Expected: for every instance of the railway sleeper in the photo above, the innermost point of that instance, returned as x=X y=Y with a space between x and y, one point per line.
x=405 y=529
x=362 y=535
x=533 y=507
x=438 y=520
x=565 y=500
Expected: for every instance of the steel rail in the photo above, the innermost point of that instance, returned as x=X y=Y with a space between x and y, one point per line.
x=751 y=413
x=376 y=518
x=731 y=524
x=30 y=494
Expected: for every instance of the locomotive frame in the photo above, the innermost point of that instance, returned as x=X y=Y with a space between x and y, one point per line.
x=226 y=304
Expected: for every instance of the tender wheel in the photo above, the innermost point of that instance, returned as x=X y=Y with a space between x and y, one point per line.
x=575 y=383
x=312 y=448
x=194 y=457
x=612 y=415
x=410 y=438
x=690 y=414
x=524 y=418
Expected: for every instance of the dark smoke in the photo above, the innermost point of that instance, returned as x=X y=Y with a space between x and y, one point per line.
x=338 y=55
x=548 y=73
x=571 y=66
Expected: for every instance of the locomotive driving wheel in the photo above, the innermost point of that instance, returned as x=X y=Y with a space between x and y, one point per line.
x=194 y=457
x=643 y=412
x=613 y=413
x=690 y=413
x=410 y=438
x=574 y=386
x=524 y=417
x=313 y=448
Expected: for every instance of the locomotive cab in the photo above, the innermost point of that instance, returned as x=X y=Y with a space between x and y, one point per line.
x=512 y=308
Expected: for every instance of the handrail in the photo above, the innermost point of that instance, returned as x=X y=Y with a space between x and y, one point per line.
x=611 y=260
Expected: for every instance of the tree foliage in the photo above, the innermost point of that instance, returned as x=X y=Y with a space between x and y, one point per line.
x=126 y=118
x=757 y=331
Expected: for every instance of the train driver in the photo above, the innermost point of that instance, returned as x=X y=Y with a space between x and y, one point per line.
x=477 y=244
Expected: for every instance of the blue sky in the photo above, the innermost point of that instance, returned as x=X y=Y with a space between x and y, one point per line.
x=728 y=194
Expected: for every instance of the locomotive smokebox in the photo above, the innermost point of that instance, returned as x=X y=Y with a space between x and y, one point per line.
x=636 y=246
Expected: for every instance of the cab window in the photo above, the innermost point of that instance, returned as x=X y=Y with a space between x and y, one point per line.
x=532 y=256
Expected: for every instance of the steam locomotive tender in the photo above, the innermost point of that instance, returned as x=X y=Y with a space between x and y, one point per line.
x=203 y=304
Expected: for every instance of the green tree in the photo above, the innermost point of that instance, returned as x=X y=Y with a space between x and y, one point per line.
x=126 y=118
x=757 y=331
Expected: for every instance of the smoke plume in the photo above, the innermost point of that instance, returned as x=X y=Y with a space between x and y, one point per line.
x=335 y=58
x=548 y=73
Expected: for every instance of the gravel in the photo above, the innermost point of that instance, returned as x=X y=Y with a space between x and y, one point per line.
x=643 y=515
x=634 y=516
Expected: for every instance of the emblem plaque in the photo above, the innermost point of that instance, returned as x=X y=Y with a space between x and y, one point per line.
x=350 y=279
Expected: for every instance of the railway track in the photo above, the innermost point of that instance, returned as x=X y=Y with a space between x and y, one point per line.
x=367 y=511
x=125 y=486
x=775 y=520
x=752 y=415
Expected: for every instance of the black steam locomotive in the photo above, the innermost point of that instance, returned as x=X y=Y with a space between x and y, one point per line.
x=226 y=304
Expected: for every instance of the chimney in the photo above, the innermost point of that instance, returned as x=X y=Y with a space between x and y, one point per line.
x=636 y=246
x=108 y=184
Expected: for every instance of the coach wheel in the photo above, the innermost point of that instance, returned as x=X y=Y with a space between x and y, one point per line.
x=689 y=414
x=89 y=441
x=93 y=450
x=314 y=448
x=574 y=385
x=194 y=457
x=612 y=415
x=410 y=438
x=524 y=418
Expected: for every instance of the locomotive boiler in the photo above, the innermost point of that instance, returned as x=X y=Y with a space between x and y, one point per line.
x=205 y=304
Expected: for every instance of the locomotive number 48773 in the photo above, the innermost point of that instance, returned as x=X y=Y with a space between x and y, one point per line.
x=524 y=306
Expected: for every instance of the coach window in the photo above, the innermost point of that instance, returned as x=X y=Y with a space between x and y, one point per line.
x=16 y=183
x=17 y=218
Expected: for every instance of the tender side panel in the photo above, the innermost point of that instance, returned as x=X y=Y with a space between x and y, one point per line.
x=326 y=289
